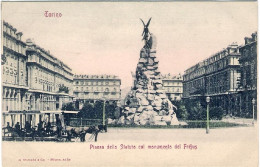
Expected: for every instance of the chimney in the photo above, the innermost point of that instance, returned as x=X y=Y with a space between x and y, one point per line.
x=254 y=36
x=19 y=35
x=247 y=40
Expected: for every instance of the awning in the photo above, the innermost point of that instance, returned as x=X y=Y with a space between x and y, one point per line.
x=70 y=112
x=23 y=112
x=51 y=112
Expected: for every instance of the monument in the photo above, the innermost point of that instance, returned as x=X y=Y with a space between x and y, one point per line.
x=147 y=103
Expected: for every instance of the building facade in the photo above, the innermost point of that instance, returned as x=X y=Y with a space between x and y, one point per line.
x=216 y=77
x=248 y=81
x=14 y=75
x=50 y=81
x=32 y=79
x=173 y=86
x=96 y=87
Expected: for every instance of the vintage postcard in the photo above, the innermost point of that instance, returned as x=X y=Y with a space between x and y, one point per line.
x=129 y=84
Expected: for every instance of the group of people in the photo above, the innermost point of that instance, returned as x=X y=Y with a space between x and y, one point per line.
x=43 y=128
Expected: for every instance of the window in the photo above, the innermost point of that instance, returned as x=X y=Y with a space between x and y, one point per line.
x=227 y=62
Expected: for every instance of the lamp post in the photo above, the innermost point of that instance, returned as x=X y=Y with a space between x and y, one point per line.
x=207 y=100
x=104 y=114
x=253 y=102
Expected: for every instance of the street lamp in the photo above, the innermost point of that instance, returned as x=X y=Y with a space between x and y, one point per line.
x=207 y=100
x=253 y=102
x=104 y=114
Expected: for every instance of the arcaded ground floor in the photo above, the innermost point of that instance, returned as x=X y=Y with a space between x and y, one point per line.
x=143 y=147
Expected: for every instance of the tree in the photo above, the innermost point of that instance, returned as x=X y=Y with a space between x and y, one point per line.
x=87 y=111
x=216 y=113
x=197 y=112
x=98 y=110
x=69 y=107
x=95 y=111
x=181 y=112
x=112 y=111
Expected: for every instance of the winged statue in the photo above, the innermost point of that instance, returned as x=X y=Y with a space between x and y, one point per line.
x=146 y=32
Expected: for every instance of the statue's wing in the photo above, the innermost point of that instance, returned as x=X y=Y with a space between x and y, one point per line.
x=142 y=22
x=148 y=22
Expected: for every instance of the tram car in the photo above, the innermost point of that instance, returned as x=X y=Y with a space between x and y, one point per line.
x=45 y=126
x=33 y=125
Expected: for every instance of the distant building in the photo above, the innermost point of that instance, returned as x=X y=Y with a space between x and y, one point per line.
x=32 y=79
x=96 y=87
x=248 y=81
x=173 y=86
x=217 y=77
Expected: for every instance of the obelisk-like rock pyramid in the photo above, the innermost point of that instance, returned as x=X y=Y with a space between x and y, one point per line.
x=147 y=103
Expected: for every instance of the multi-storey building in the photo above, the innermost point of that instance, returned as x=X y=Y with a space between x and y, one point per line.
x=248 y=81
x=217 y=77
x=49 y=79
x=32 y=79
x=96 y=87
x=14 y=75
x=173 y=86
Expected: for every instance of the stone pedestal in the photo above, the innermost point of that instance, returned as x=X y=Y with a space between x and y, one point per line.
x=147 y=103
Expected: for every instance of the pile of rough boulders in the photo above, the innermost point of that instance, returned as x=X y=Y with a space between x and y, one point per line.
x=147 y=103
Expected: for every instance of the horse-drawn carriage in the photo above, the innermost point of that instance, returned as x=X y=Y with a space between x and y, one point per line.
x=42 y=126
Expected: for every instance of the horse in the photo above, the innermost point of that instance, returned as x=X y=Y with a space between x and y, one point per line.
x=80 y=132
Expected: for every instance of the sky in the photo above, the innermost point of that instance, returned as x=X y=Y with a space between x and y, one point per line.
x=105 y=37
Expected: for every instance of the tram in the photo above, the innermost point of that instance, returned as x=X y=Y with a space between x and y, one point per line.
x=32 y=125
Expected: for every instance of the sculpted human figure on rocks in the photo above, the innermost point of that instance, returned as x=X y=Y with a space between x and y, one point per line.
x=147 y=102
x=151 y=43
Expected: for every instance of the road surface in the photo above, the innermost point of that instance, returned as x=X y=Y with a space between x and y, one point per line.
x=143 y=147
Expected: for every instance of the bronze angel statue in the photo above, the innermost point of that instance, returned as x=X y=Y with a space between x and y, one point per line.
x=146 y=32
